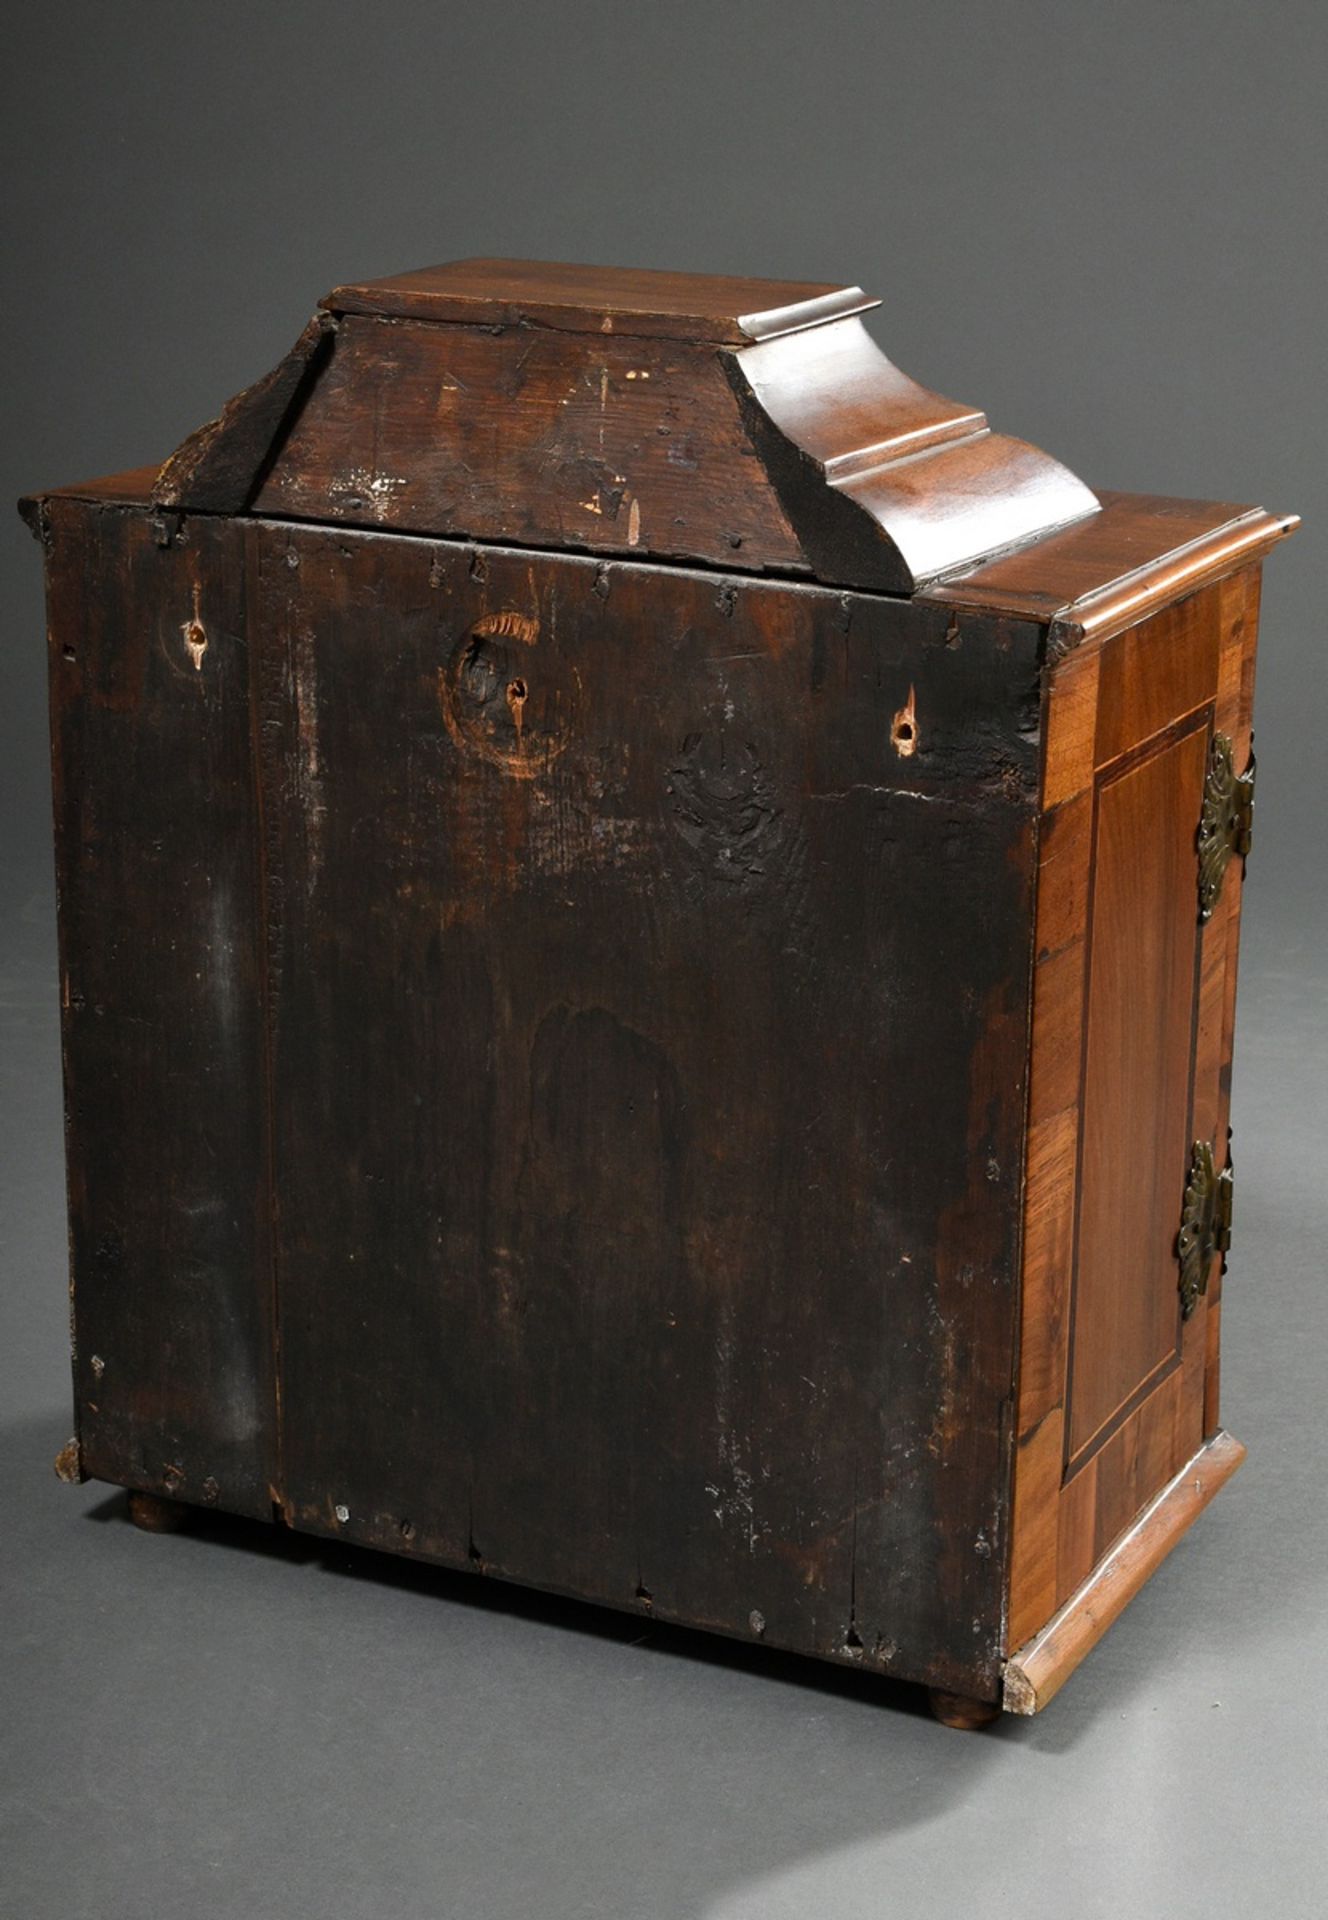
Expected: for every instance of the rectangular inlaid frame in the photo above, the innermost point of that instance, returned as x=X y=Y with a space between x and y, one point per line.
x=1184 y=744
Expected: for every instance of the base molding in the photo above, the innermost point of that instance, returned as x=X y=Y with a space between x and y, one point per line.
x=1043 y=1664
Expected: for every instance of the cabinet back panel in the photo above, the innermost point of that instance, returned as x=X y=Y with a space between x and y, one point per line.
x=648 y=1083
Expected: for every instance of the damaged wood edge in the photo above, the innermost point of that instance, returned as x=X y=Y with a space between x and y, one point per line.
x=1037 y=1672
x=105 y=497
x=34 y=512
x=222 y=465
x=750 y=329
x=403 y=298
x=129 y=489
x=68 y=1463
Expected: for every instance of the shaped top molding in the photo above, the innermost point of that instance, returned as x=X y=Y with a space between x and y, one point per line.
x=635 y=301
x=751 y=425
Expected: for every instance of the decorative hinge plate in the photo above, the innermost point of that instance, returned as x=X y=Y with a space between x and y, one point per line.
x=1205 y=1224
x=1226 y=824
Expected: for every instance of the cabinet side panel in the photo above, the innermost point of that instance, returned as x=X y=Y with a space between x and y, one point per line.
x=1130 y=1062
x=650 y=1041
x=160 y=1005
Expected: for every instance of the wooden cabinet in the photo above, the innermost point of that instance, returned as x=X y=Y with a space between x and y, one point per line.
x=638 y=1009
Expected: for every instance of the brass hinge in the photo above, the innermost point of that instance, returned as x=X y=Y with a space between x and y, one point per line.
x=1226 y=823
x=1205 y=1223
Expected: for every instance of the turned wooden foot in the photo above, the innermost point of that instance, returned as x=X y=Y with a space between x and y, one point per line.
x=155 y=1513
x=957 y=1710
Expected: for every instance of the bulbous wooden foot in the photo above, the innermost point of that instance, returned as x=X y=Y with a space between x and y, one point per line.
x=156 y=1514
x=957 y=1710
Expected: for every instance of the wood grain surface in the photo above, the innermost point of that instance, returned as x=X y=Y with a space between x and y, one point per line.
x=751 y=425
x=160 y=929
x=633 y=1003
x=636 y=301
x=1112 y=570
x=543 y=439
x=1138 y=1046
x=649 y=1174
x=1130 y=1062
x=1038 y=1670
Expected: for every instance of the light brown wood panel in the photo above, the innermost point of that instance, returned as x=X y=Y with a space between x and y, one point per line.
x=1155 y=671
x=1040 y=1668
x=1071 y=725
x=1189 y=1422
x=1069 y=728
x=1048 y=1259
x=1237 y=596
x=1125 y=1316
x=1138 y=1458
x=1058 y=994
x=1035 y=1530
x=1077 y=1546
x=1212 y=1368
x=1104 y=726
x=1211 y=1022
x=1063 y=875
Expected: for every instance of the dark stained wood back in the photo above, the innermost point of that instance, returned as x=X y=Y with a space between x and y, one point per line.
x=626 y=1120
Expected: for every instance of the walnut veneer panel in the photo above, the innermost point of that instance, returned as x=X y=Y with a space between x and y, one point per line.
x=1132 y=1030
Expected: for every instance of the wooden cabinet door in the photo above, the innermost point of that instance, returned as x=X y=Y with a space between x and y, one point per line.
x=1133 y=1004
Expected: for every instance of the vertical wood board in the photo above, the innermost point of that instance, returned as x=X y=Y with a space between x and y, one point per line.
x=156 y=852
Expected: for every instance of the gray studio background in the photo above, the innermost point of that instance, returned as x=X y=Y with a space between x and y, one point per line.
x=1105 y=225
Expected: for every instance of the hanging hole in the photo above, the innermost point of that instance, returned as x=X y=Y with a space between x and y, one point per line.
x=904 y=728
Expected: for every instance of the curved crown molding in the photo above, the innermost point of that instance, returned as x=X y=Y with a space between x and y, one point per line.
x=886 y=483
